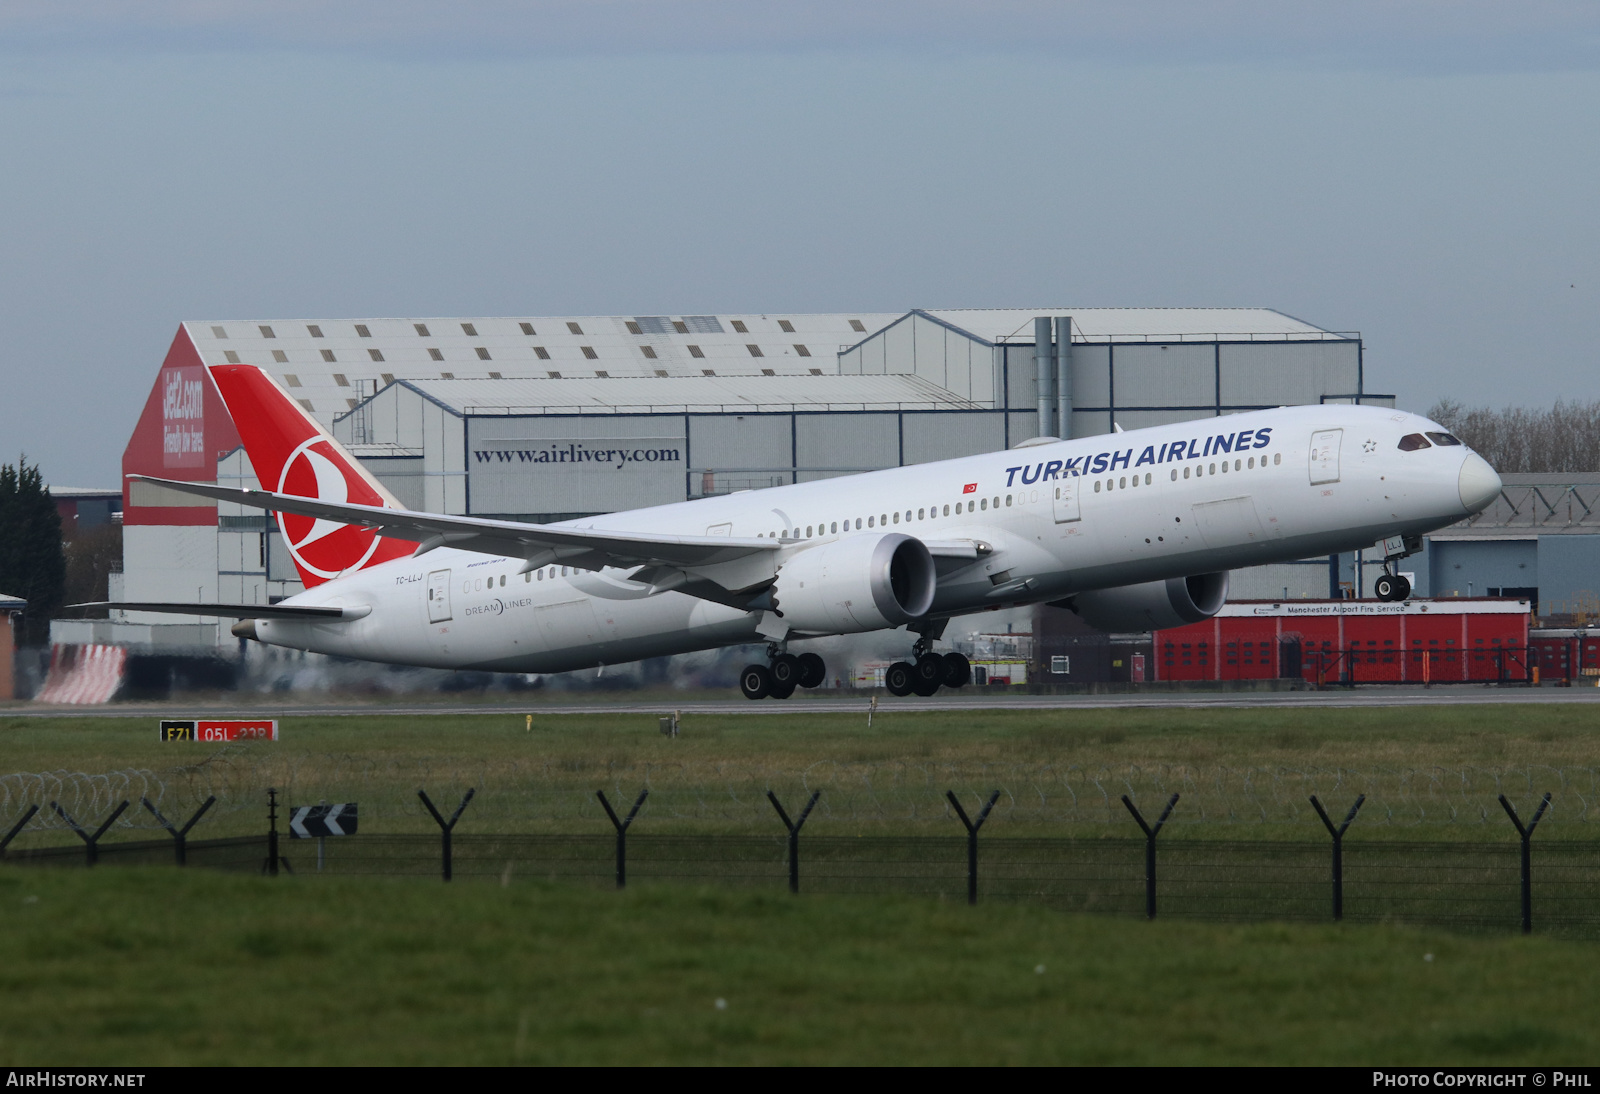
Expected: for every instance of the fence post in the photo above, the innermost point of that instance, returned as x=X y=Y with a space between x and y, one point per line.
x=180 y=837
x=1527 y=856
x=1150 y=835
x=270 y=867
x=622 y=832
x=1338 y=850
x=972 y=839
x=91 y=844
x=15 y=828
x=794 y=835
x=445 y=828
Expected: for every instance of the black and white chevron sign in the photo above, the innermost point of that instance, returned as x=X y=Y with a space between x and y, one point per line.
x=307 y=821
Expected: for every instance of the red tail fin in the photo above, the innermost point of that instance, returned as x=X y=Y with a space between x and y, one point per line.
x=293 y=454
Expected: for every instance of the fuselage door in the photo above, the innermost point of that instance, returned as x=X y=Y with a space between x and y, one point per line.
x=1325 y=455
x=1066 y=503
x=438 y=596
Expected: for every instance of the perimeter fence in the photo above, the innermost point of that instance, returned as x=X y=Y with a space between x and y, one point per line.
x=1479 y=883
x=1465 y=886
x=873 y=798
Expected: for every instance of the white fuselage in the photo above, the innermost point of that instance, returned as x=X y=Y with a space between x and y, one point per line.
x=1143 y=505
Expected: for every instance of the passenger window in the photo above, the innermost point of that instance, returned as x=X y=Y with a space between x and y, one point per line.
x=1252 y=462
x=985 y=504
x=908 y=516
x=858 y=522
x=870 y=521
x=1277 y=458
x=527 y=577
x=1236 y=465
x=897 y=517
x=1185 y=472
x=1213 y=470
x=1174 y=474
x=1413 y=442
x=919 y=513
x=997 y=501
x=947 y=510
x=502 y=581
x=541 y=575
x=1122 y=483
x=1443 y=440
x=1096 y=486
x=1147 y=478
x=1008 y=501
x=883 y=519
x=835 y=528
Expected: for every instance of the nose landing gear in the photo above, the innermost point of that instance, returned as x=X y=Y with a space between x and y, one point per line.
x=782 y=674
x=1391 y=587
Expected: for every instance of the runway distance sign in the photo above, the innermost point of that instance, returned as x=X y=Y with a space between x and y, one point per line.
x=220 y=729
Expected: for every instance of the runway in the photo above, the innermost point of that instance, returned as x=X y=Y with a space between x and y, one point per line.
x=539 y=704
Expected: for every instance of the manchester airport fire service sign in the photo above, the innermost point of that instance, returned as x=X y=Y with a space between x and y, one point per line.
x=219 y=729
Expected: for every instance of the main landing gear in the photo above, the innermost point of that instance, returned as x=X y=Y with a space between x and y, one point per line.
x=927 y=672
x=782 y=674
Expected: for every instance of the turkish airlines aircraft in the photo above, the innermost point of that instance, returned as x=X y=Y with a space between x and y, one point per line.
x=1132 y=530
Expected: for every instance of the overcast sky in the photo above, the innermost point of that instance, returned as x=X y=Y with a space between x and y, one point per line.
x=1425 y=173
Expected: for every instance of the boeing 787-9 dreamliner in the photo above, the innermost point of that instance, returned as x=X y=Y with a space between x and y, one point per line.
x=1132 y=530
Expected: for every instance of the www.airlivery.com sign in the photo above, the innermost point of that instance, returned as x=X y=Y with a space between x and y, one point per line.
x=616 y=455
x=594 y=474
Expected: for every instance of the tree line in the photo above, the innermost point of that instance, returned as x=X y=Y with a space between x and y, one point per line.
x=1519 y=440
x=32 y=561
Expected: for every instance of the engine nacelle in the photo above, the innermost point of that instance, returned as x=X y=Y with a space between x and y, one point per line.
x=1154 y=605
x=859 y=583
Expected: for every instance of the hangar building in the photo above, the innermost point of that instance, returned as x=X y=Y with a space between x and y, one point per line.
x=507 y=416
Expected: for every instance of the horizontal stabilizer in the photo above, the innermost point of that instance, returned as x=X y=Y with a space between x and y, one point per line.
x=241 y=611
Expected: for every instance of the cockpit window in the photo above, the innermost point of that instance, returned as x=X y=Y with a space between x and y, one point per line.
x=1411 y=442
x=1444 y=440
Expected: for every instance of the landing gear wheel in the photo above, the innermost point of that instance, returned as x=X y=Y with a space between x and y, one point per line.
x=785 y=673
x=1391 y=587
x=898 y=678
x=782 y=691
x=957 y=671
x=813 y=670
x=755 y=681
x=927 y=674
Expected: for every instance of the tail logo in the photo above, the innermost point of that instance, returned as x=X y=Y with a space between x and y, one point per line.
x=326 y=548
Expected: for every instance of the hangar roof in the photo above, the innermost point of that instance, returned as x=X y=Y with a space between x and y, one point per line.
x=330 y=365
x=687 y=395
x=1133 y=324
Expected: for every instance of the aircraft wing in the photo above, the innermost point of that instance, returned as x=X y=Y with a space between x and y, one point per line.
x=537 y=544
x=240 y=611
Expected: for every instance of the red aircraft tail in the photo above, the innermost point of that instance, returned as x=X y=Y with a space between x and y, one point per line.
x=293 y=454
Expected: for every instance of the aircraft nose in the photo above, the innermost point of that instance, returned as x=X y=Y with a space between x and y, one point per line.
x=1479 y=484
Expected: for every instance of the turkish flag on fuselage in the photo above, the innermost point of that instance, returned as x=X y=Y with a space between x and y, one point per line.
x=293 y=454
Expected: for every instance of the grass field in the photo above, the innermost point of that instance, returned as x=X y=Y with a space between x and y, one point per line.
x=157 y=966
x=1433 y=771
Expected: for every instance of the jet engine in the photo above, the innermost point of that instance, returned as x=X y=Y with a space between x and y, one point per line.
x=859 y=583
x=1154 y=604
